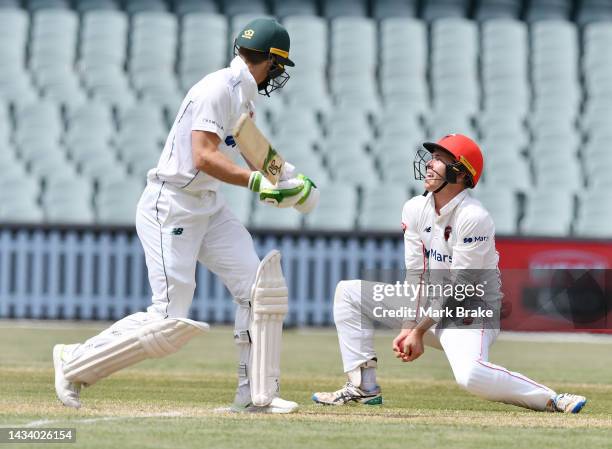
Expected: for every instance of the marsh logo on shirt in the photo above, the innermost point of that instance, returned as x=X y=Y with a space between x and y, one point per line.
x=435 y=255
x=479 y=238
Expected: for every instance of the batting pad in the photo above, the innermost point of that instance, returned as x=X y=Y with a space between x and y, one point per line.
x=153 y=340
x=269 y=307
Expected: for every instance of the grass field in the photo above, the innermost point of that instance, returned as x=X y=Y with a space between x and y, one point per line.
x=170 y=403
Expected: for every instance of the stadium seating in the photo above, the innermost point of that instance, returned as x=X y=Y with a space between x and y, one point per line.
x=89 y=89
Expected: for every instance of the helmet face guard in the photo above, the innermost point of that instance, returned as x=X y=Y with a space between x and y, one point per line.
x=423 y=157
x=277 y=76
x=276 y=79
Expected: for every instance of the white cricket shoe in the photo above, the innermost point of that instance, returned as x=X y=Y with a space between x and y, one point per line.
x=567 y=403
x=67 y=392
x=349 y=393
x=277 y=405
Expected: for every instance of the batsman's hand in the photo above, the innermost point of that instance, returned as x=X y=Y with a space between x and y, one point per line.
x=284 y=194
x=309 y=197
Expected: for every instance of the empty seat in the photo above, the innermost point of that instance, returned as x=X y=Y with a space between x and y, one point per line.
x=267 y=217
x=590 y=11
x=544 y=10
x=35 y=5
x=116 y=200
x=549 y=213
x=283 y=8
x=495 y=9
x=443 y=9
x=153 y=43
x=84 y=6
x=198 y=56
x=182 y=7
x=505 y=166
x=336 y=209
x=47 y=162
x=342 y=8
x=20 y=212
x=403 y=61
x=45 y=117
x=234 y=7
x=140 y=6
x=68 y=200
x=502 y=205
x=103 y=40
x=16 y=185
x=593 y=217
x=396 y=164
x=382 y=207
x=353 y=62
x=14 y=25
x=102 y=164
x=54 y=39
x=18 y=195
x=454 y=69
x=383 y=9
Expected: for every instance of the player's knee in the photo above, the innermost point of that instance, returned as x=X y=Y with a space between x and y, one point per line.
x=467 y=376
x=241 y=289
x=344 y=298
x=343 y=291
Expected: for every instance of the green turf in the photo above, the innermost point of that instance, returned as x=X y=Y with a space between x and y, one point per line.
x=170 y=403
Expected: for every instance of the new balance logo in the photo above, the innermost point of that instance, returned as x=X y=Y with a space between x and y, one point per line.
x=428 y=229
x=177 y=231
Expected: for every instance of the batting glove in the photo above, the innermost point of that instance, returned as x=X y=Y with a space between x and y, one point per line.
x=285 y=194
x=309 y=197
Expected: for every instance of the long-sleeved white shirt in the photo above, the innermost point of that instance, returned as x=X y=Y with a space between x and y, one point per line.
x=455 y=244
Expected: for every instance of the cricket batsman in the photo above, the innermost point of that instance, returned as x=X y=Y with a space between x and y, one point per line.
x=182 y=219
x=448 y=231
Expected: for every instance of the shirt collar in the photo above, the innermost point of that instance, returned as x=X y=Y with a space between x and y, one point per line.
x=241 y=71
x=451 y=205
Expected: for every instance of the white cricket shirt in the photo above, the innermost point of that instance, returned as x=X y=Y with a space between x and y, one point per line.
x=213 y=104
x=461 y=239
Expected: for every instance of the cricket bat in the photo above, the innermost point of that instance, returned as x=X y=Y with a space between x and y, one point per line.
x=257 y=150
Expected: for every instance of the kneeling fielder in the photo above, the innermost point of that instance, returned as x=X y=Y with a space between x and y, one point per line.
x=182 y=219
x=440 y=226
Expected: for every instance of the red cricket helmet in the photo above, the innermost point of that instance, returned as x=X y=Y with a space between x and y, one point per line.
x=465 y=151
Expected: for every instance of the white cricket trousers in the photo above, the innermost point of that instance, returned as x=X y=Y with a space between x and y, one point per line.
x=178 y=229
x=467 y=351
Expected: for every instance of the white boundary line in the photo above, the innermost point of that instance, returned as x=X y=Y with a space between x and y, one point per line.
x=46 y=422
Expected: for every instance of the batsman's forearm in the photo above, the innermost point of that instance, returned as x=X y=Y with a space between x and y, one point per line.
x=218 y=165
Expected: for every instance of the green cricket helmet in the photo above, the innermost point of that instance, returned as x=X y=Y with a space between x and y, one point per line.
x=267 y=36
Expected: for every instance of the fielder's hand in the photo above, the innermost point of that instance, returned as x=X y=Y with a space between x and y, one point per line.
x=285 y=194
x=398 y=342
x=309 y=197
x=412 y=346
